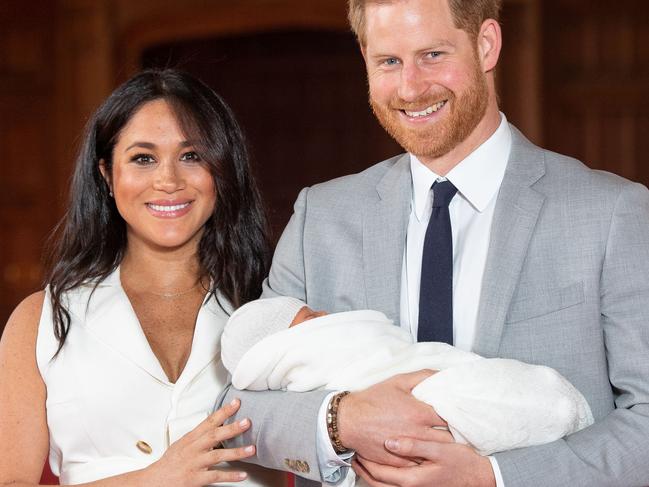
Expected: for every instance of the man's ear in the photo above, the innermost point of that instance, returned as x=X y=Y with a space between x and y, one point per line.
x=106 y=175
x=489 y=44
x=363 y=51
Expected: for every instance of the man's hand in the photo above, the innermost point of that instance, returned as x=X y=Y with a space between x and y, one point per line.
x=386 y=410
x=448 y=464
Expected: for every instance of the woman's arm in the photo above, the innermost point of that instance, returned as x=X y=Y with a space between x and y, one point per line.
x=24 y=441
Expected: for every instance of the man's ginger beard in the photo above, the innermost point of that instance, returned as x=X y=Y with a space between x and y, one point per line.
x=439 y=138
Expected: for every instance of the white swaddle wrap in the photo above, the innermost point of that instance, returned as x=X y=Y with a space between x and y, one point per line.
x=490 y=404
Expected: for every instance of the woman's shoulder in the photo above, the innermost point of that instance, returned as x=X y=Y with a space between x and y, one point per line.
x=21 y=331
x=25 y=318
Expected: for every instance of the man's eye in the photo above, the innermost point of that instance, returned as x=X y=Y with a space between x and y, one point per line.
x=190 y=156
x=434 y=54
x=142 y=159
x=391 y=61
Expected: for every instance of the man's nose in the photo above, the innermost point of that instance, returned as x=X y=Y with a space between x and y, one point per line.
x=412 y=84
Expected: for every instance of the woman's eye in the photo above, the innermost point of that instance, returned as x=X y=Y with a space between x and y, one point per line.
x=143 y=159
x=190 y=156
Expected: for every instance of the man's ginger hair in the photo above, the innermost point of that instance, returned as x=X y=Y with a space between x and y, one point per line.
x=468 y=15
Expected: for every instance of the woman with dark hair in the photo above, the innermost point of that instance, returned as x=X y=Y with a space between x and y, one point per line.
x=115 y=366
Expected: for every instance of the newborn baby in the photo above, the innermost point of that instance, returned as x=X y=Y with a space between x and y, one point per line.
x=490 y=404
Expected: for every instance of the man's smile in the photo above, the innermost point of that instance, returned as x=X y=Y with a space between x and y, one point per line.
x=426 y=111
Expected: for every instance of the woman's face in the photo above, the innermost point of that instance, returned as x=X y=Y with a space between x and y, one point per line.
x=164 y=192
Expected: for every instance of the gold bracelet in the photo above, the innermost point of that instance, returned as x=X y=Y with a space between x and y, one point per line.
x=332 y=422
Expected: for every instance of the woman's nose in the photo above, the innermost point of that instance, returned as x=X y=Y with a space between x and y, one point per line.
x=168 y=178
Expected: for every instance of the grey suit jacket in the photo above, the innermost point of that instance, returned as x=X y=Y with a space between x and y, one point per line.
x=566 y=285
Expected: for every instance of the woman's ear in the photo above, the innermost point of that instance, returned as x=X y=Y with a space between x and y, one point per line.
x=106 y=175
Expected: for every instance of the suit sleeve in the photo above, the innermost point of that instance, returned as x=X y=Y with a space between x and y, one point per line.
x=284 y=424
x=287 y=275
x=615 y=450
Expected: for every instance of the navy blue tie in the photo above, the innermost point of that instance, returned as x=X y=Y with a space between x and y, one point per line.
x=436 y=287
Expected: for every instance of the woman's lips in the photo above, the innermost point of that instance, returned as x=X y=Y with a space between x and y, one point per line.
x=167 y=209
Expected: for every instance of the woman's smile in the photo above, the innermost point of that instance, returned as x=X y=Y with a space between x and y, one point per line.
x=169 y=209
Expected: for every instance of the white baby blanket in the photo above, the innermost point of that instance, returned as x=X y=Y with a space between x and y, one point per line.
x=490 y=404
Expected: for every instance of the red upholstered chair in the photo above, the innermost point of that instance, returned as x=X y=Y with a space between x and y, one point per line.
x=48 y=477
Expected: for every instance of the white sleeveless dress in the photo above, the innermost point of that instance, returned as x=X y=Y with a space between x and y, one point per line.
x=110 y=407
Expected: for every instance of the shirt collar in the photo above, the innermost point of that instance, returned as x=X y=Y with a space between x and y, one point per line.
x=477 y=178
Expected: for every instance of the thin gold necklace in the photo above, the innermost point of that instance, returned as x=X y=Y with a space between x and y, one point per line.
x=173 y=295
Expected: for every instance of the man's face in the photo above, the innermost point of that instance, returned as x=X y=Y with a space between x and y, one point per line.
x=426 y=84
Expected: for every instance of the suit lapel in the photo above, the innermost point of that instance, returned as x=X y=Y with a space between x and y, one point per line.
x=385 y=222
x=517 y=210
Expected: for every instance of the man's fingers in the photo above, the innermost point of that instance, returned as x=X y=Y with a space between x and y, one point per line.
x=382 y=475
x=413 y=448
x=410 y=380
x=438 y=435
x=361 y=472
x=392 y=460
x=438 y=420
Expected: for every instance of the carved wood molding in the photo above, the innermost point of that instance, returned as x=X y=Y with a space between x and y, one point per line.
x=223 y=19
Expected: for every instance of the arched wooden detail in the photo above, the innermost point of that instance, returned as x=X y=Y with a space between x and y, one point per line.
x=221 y=19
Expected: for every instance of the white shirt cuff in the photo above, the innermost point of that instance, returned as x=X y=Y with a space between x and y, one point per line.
x=333 y=467
x=496 y=469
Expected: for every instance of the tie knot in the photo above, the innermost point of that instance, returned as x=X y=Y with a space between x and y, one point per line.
x=443 y=192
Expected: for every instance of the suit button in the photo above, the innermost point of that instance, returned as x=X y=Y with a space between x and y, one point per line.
x=144 y=447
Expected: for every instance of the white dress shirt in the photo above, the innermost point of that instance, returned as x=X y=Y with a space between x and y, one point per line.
x=477 y=178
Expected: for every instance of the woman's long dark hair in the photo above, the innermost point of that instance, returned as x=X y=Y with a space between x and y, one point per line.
x=91 y=239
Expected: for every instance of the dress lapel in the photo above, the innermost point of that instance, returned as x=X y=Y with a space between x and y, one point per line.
x=111 y=319
x=517 y=210
x=206 y=344
x=385 y=222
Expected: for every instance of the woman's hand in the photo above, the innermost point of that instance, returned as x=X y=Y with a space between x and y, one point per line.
x=190 y=461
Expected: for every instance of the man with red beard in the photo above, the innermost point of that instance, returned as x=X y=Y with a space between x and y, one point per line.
x=475 y=237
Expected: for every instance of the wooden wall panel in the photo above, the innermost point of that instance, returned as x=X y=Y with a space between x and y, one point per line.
x=27 y=168
x=519 y=71
x=596 y=82
x=301 y=98
x=575 y=77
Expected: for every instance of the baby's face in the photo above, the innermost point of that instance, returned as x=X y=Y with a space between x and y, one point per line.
x=306 y=314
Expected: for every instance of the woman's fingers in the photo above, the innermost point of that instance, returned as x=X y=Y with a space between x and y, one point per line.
x=210 y=424
x=213 y=437
x=215 y=457
x=214 y=476
x=230 y=454
x=218 y=417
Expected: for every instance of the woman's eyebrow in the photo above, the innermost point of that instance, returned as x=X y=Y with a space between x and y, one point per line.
x=144 y=145
x=150 y=145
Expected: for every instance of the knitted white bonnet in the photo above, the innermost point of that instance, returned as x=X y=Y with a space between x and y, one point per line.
x=254 y=321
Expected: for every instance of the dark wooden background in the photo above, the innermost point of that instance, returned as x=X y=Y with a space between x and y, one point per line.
x=574 y=76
